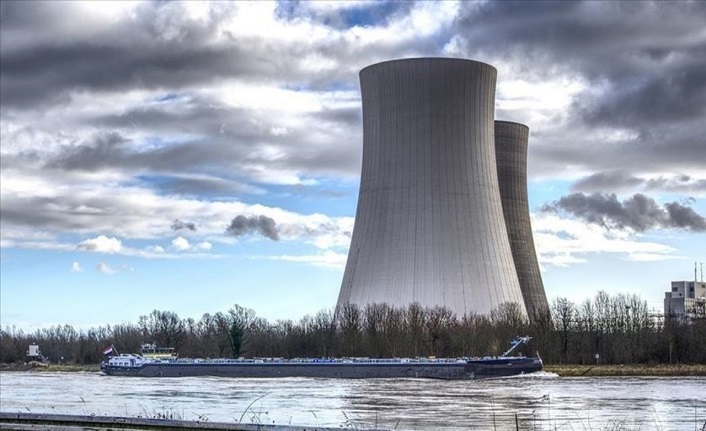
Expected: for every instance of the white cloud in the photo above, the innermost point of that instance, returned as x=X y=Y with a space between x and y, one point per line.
x=155 y=249
x=328 y=259
x=105 y=268
x=205 y=246
x=563 y=242
x=76 y=267
x=101 y=244
x=651 y=257
x=181 y=244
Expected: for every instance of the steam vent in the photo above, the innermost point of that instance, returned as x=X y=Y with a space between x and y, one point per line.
x=430 y=226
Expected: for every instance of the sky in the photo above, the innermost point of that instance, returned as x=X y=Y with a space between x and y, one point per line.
x=189 y=156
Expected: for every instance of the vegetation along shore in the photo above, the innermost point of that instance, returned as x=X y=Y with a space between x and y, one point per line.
x=608 y=330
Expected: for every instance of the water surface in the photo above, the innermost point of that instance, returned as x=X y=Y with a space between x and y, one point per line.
x=541 y=401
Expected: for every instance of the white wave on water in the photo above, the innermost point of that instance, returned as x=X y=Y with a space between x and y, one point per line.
x=535 y=376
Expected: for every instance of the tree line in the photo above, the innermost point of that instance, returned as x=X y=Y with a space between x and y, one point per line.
x=618 y=329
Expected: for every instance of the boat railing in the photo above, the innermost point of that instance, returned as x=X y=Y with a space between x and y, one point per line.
x=312 y=361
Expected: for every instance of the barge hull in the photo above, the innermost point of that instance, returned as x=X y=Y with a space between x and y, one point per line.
x=442 y=371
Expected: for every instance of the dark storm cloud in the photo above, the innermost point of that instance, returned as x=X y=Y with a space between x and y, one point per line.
x=105 y=150
x=610 y=181
x=682 y=183
x=211 y=187
x=346 y=116
x=217 y=138
x=261 y=224
x=181 y=114
x=643 y=64
x=638 y=212
x=614 y=181
x=40 y=212
x=559 y=36
x=136 y=53
x=663 y=149
x=160 y=47
x=685 y=217
x=229 y=144
x=75 y=213
x=179 y=225
x=208 y=139
x=171 y=168
x=46 y=74
x=216 y=164
x=650 y=99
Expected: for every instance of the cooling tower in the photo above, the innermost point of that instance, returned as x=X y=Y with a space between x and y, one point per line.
x=511 y=154
x=429 y=225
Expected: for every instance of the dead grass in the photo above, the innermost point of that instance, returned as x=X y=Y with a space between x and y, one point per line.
x=38 y=366
x=627 y=370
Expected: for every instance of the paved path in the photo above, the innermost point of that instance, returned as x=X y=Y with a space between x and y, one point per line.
x=38 y=421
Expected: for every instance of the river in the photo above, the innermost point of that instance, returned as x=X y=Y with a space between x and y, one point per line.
x=540 y=401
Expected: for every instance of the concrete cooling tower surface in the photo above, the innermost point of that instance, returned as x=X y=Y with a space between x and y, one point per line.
x=429 y=225
x=511 y=155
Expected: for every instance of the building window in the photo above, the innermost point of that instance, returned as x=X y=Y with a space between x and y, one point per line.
x=675 y=288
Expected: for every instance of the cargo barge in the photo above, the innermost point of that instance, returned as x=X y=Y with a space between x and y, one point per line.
x=341 y=368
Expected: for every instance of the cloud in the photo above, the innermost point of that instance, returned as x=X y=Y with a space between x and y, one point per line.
x=181 y=244
x=178 y=225
x=182 y=111
x=242 y=225
x=105 y=268
x=101 y=244
x=327 y=259
x=607 y=181
x=619 y=180
x=76 y=267
x=104 y=150
x=158 y=249
x=205 y=246
x=638 y=102
x=563 y=242
x=684 y=217
x=638 y=212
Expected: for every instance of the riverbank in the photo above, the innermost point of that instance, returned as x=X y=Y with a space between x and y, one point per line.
x=563 y=370
x=666 y=370
x=38 y=366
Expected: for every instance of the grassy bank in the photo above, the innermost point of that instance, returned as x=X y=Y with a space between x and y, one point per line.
x=627 y=370
x=38 y=366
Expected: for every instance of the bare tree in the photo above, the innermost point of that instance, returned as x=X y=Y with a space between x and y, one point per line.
x=350 y=324
x=564 y=312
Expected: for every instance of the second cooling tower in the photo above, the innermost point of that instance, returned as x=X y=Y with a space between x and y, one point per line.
x=429 y=226
x=511 y=153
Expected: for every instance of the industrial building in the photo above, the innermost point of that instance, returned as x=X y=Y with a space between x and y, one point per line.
x=686 y=300
x=430 y=224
